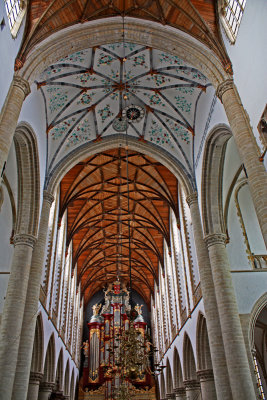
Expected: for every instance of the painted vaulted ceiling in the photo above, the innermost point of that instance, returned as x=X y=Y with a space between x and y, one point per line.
x=120 y=90
x=88 y=93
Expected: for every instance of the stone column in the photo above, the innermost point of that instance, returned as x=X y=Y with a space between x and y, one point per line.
x=234 y=345
x=170 y=396
x=31 y=308
x=18 y=90
x=34 y=383
x=180 y=393
x=192 y=390
x=248 y=150
x=223 y=388
x=45 y=390
x=13 y=311
x=207 y=385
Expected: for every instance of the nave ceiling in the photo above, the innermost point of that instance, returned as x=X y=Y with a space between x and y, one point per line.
x=118 y=200
x=198 y=18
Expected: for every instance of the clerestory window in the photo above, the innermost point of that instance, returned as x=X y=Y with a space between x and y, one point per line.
x=232 y=14
x=15 y=10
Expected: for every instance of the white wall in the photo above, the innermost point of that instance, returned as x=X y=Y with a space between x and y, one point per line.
x=9 y=49
x=249 y=59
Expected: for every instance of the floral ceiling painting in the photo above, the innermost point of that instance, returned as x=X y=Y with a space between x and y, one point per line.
x=119 y=89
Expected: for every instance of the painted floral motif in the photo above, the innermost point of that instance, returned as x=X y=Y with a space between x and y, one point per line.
x=114 y=46
x=199 y=75
x=183 y=104
x=105 y=113
x=58 y=98
x=170 y=59
x=61 y=128
x=139 y=60
x=128 y=75
x=179 y=130
x=86 y=98
x=85 y=77
x=81 y=133
x=50 y=71
x=114 y=74
x=155 y=99
x=158 y=79
x=114 y=96
x=79 y=56
x=105 y=59
x=186 y=90
x=158 y=135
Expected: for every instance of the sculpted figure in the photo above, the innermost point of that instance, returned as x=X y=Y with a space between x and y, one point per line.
x=138 y=308
x=96 y=308
x=85 y=347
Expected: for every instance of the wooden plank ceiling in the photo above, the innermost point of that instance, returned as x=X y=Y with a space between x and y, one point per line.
x=195 y=17
x=118 y=209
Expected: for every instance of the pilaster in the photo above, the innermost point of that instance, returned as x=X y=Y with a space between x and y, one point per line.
x=18 y=90
x=221 y=377
x=247 y=148
x=233 y=340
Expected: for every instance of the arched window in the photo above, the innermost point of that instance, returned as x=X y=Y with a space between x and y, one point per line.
x=232 y=12
x=15 y=10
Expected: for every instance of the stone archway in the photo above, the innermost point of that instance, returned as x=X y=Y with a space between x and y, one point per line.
x=190 y=373
x=204 y=364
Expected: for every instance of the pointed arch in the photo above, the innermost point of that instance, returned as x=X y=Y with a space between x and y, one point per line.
x=38 y=346
x=212 y=171
x=203 y=348
x=67 y=380
x=162 y=386
x=189 y=363
x=72 y=385
x=28 y=180
x=50 y=360
x=59 y=372
x=169 y=381
x=177 y=370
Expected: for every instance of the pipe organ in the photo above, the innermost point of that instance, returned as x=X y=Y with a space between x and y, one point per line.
x=110 y=322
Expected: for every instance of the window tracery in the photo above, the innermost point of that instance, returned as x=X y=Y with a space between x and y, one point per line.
x=15 y=10
x=232 y=12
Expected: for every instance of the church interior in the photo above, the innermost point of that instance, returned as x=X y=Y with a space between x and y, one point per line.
x=133 y=200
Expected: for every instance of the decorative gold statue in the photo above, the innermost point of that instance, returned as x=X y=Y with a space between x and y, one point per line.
x=96 y=308
x=138 y=308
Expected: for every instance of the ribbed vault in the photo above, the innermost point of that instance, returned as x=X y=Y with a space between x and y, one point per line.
x=118 y=209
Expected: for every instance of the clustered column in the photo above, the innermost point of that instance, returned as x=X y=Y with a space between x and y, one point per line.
x=45 y=390
x=192 y=388
x=247 y=147
x=221 y=378
x=13 y=311
x=180 y=393
x=34 y=383
x=206 y=380
x=234 y=345
x=31 y=307
x=19 y=89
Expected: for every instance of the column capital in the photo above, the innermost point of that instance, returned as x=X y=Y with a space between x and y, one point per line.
x=192 y=198
x=223 y=87
x=22 y=84
x=215 y=238
x=36 y=377
x=179 y=391
x=205 y=375
x=49 y=197
x=24 y=239
x=46 y=386
x=191 y=384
